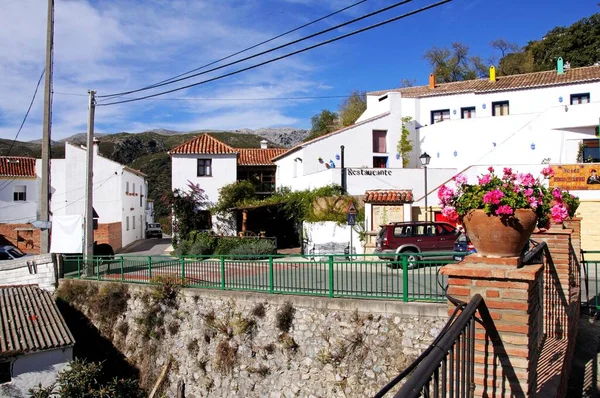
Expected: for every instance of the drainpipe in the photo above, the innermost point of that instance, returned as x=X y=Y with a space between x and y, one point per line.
x=344 y=181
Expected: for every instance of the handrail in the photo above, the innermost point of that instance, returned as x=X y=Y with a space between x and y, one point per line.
x=436 y=352
x=534 y=254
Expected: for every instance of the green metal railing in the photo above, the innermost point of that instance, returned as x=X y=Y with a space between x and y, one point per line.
x=396 y=276
x=590 y=261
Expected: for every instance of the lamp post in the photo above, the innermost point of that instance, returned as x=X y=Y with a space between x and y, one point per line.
x=425 y=158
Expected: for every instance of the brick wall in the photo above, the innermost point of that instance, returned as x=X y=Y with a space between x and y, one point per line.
x=34 y=270
x=109 y=233
x=28 y=241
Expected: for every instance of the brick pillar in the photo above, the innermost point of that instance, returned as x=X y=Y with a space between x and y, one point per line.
x=575 y=225
x=506 y=348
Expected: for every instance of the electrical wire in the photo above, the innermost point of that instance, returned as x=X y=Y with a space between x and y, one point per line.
x=285 y=55
x=250 y=99
x=172 y=79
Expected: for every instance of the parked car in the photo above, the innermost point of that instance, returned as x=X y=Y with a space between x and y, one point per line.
x=154 y=230
x=415 y=237
x=463 y=247
x=10 y=253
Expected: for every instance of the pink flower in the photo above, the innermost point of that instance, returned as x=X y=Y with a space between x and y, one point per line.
x=450 y=213
x=533 y=202
x=528 y=192
x=526 y=179
x=491 y=169
x=556 y=192
x=460 y=179
x=504 y=210
x=547 y=172
x=559 y=213
x=484 y=179
x=445 y=195
x=493 y=197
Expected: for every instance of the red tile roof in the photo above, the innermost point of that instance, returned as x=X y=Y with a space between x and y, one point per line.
x=257 y=156
x=204 y=143
x=502 y=83
x=30 y=321
x=388 y=196
x=17 y=166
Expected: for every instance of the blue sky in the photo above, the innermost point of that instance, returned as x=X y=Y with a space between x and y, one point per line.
x=111 y=46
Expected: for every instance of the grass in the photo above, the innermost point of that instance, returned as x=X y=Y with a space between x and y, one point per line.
x=285 y=317
x=226 y=357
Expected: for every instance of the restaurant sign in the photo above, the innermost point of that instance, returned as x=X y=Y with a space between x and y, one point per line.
x=576 y=177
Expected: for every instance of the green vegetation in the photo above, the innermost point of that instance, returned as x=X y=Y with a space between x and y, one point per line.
x=161 y=298
x=285 y=317
x=323 y=123
x=233 y=194
x=405 y=145
x=240 y=248
x=352 y=108
x=87 y=379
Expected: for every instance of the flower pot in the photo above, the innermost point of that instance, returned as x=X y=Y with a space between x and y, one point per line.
x=499 y=236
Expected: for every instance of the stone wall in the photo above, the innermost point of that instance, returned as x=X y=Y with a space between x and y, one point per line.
x=22 y=236
x=36 y=270
x=229 y=344
x=110 y=233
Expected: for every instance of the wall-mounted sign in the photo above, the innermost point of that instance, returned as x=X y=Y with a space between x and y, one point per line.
x=369 y=172
x=576 y=177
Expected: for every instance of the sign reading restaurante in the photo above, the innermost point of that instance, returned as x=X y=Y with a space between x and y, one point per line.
x=576 y=177
x=369 y=172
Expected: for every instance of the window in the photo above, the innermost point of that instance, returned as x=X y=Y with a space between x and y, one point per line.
x=5 y=375
x=204 y=167
x=591 y=152
x=133 y=188
x=379 y=137
x=467 y=113
x=402 y=231
x=127 y=223
x=132 y=222
x=127 y=187
x=577 y=99
x=440 y=116
x=141 y=196
x=422 y=230
x=380 y=162
x=20 y=193
x=500 y=108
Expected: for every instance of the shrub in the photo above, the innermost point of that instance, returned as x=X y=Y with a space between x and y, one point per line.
x=227 y=244
x=285 y=317
x=259 y=310
x=76 y=291
x=110 y=302
x=183 y=247
x=205 y=244
x=226 y=357
x=253 y=250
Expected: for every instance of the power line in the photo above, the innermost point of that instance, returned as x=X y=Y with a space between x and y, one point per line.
x=249 y=99
x=286 y=55
x=172 y=80
x=72 y=94
x=175 y=80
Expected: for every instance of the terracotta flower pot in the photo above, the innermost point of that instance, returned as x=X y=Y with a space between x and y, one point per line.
x=499 y=236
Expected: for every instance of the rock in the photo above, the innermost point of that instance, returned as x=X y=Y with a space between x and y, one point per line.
x=369 y=373
x=306 y=376
x=396 y=320
x=307 y=362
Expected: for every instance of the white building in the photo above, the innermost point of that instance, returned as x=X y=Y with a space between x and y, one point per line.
x=212 y=164
x=119 y=195
x=35 y=345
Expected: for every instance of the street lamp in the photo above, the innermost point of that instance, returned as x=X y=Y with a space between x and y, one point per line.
x=425 y=158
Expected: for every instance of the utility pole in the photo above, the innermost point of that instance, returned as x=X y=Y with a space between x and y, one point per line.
x=88 y=240
x=45 y=188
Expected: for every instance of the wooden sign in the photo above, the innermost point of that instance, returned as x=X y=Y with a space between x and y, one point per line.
x=576 y=177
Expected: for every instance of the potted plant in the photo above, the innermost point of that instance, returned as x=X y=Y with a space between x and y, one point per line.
x=499 y=213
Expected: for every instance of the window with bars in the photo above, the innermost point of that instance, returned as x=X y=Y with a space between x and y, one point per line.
x=127 y=223
x=127 y=187
x=467 y=113
x=379 y=141
x=204 y=168
x=20 y=193
x=500 y=108
x=440 y=115
x=380 y=162
x=577 y=99
x=5 y=373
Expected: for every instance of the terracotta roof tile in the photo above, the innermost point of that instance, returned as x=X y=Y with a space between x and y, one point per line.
x=388 y=196
x=502 y=83
x=30 y=321
x=204 y=143
x=17 y=166
x=257 y=156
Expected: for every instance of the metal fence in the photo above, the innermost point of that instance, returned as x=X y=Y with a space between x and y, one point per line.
x=590 y=265
x=400 y=276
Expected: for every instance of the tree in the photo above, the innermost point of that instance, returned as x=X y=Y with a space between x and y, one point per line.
x=352 y=108
x=405 y=145
x=504 y=46
x=408 y=82
x=187 y=208
x=323 y=123
x=454 y=63
x=231 y=195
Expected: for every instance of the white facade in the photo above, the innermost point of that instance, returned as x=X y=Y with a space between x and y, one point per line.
x=30 y=370
x=119 y=193
x=18 y=211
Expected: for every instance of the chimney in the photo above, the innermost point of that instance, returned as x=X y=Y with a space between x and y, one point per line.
x=559 y=66
x=432 y=81
x=263 y=144
x=96 y=146
x=492 y=73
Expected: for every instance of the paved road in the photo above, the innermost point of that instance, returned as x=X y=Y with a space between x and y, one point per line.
x=148 y=247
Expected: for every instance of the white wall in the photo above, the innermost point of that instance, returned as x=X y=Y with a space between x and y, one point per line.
x=312 y=181
x=12 y=212
x=184 y=169
x=132 y=207
x=28 y=371
x=17 y=272
x=329 y=231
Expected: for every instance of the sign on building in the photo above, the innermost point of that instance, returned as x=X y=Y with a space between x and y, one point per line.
x=576 y=177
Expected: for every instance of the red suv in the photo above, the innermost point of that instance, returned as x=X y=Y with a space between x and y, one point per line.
x=415 y=237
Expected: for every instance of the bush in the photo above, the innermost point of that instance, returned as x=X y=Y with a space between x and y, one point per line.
x=227 y=244
x=205 y=244
x=183 y=247
x=253 y=250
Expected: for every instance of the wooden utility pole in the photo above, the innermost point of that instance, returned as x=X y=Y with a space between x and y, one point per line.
x=88 y=239
x=45 y=188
